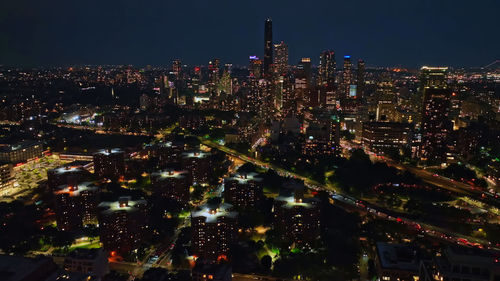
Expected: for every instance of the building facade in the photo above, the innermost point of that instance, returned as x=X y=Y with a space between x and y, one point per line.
x=76 y=205
x=214 y=229
x=123 y=224
x=109 y=163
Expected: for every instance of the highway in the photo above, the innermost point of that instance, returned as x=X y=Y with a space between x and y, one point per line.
x=423 y=228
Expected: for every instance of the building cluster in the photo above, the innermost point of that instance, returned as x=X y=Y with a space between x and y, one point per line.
x=407 y=262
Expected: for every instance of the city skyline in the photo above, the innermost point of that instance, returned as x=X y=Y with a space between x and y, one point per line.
x=390 y=34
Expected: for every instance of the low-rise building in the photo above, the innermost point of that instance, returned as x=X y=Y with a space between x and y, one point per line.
x=458 y=263
x=397 y=262
x=6 y=176
x=378 y=136
x=93 y=262
x=20 y=152
x=205 y=271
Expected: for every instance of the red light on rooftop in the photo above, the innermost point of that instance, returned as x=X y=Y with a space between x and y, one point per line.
x=222 y=257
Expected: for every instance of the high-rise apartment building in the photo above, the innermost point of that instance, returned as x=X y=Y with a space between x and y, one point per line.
x=109 y=163
x=243 y=190
x=76 y=205
x=123 y=224
x=214 y=229
x=172 y=184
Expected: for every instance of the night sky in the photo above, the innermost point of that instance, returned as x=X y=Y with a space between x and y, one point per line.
x=406 y=33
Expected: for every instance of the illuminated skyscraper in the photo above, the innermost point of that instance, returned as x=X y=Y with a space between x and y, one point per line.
x=304 y=69
x=255 y=67
x=281 y=58
x=268 y=47
x=436 y=125
x=346 y=76
x=327 y=67
x=176 y=68
x=360 y=79
x=213 y=73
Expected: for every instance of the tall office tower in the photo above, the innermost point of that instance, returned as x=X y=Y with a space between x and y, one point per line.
x=327 y=67
x=435 y=125
x=255 y=67
x=268 y=47
x=109 y=163
x=213 y=73
x=346 y=76
x=76 y=205
x=360 y=79
x=304 y=69
x=281 y=58
x=176 y=68
x=379 y=136
x=214 y=229
x=385 y=100
x=123 y=224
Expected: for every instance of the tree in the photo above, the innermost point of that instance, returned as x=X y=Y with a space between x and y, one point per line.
x=266 y=262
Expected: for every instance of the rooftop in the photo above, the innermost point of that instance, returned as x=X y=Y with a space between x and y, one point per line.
x=85 y=254
x=66 y=169
x=244 y=178
x=169 y=173
x=212 y=214
x=76 y=190
x=397 y=256
x=291 y=201
x=109 y=151
x=16 y=268
x=124 y=204
x=195 y=154
x=18 y=146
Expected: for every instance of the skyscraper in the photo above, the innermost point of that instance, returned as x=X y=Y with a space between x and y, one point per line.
x=304 y=67
x=360 y=79
x=346 y=76
x=281 y=58
x=327 y=67
x=268 y=47
x=213 y=73
x=255 y=67
x=435 y=109
x=176 y=68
